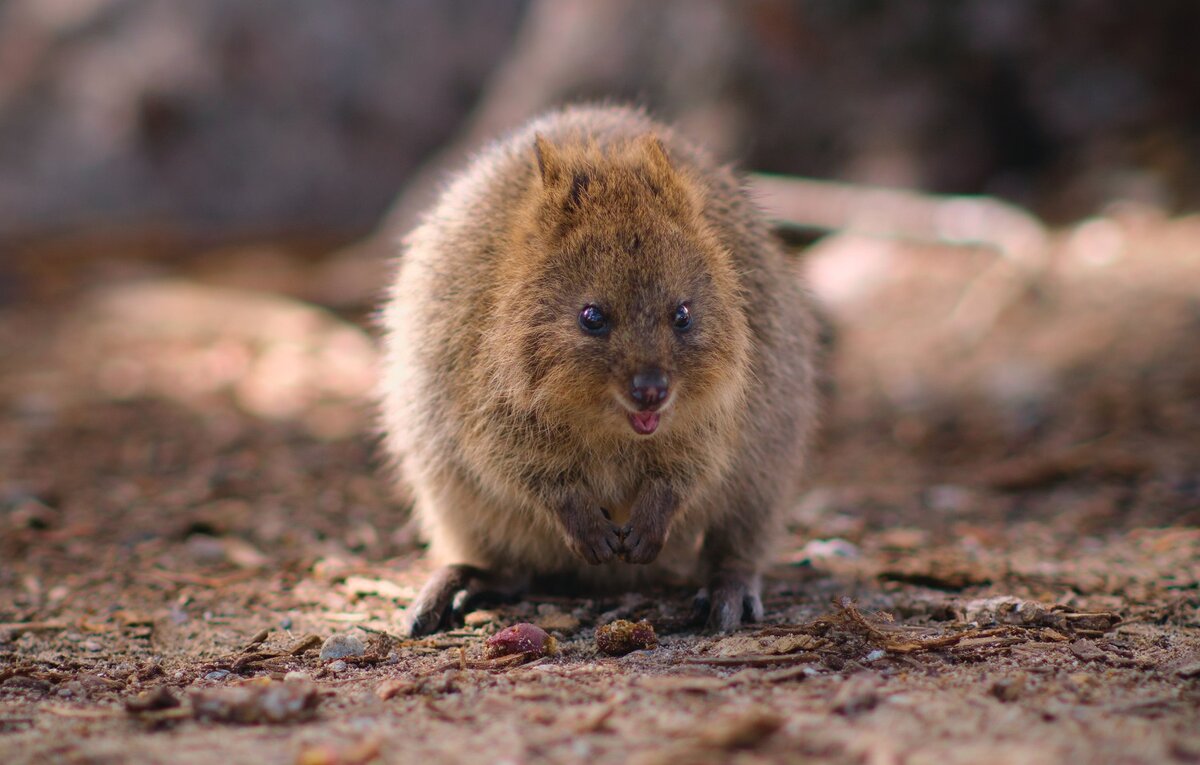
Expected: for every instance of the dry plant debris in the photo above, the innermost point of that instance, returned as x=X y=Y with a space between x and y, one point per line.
x=622 y=636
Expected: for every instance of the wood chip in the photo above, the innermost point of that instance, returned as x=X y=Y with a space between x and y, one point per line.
x=596 y=719
x=258 y=638
x=390 y=689
x=856 y=696
x=742 y=731
x=791 y=673
x=682 y=684
x=1189 y=670
x=306 y=643
x=82 y=714
x=1086 y=650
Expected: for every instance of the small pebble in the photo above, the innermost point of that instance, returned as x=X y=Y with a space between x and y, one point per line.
x=153 y=700
x=552 y=619
x=296 y=676
x=91 y=645
x=824 y=549
x=217 y=675
x=338 y=666
x=876 y=655
x=856 y=696
x=341 y=646
x=1009 y=688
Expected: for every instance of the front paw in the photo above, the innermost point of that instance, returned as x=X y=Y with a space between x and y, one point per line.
x=430 y=610
x=643 y=541
x=596 y=540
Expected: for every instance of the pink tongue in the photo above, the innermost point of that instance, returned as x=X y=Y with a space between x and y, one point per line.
x=644 y=423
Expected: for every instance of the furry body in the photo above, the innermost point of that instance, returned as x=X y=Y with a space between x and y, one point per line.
x=511 y=426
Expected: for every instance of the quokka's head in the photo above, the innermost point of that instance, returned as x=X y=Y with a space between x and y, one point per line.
x=626 y=317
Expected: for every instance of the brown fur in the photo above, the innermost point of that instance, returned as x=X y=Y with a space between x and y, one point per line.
x=506 y=418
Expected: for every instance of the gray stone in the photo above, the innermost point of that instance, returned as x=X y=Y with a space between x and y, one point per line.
x=341 y=646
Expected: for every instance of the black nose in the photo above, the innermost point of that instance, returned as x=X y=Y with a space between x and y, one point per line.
x=650 y=388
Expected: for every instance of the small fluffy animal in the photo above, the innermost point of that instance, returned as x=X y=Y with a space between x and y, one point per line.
x=600 y=368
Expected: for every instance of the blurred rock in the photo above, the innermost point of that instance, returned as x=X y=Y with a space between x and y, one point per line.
x=224 y=116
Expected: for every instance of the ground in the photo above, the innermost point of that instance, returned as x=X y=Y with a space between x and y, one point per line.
x=997 y=558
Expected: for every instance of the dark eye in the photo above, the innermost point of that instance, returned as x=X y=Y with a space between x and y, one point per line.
x=683 y=318
x=592 y=320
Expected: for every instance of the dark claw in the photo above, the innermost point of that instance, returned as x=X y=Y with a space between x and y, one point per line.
x=424 y=622
x=598 y=544
x=639 y=547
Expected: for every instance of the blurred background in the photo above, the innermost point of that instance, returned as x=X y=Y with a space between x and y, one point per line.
x=202 y=123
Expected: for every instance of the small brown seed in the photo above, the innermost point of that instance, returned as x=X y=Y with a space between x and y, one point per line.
x=621 y=637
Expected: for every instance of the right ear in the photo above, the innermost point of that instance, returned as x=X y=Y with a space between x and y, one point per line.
x=548 y=161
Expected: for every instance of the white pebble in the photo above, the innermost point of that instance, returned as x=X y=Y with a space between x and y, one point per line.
x=341 y=646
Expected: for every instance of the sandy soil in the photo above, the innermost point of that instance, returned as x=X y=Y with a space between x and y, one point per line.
x=998 y=560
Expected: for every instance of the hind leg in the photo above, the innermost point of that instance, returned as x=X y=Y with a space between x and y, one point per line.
x=457 y=522
x=736 y=548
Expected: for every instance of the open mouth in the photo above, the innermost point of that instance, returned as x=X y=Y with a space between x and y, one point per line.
x=644 y=423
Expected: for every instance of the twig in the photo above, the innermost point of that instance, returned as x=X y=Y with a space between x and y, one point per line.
x=85 y=714
x=18 y=628
x=460 y=662
x=213 y=582
x=258 y=638
x=305 y=643
x=754 y=659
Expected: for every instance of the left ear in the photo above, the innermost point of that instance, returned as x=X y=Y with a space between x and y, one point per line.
x=656 y=156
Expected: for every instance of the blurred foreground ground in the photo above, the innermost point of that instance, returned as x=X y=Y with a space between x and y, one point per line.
x=183 y=466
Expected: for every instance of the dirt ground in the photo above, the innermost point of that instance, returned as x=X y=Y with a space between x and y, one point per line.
x=998 y=560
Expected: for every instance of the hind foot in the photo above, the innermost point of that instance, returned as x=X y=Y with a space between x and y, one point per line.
x=730 y=599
